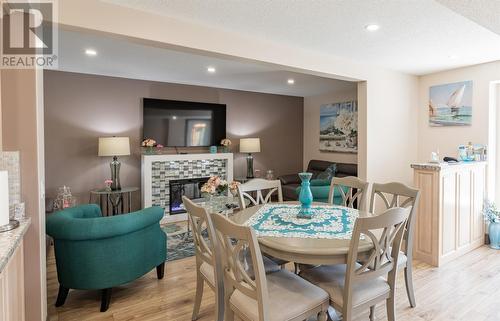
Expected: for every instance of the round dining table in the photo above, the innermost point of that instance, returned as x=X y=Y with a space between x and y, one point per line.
x=314 y=251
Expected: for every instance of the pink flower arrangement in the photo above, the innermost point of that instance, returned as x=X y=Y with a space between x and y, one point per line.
x=148 y=142
x=213 y=185
x=225 y=142
x=108 y=183
x=233 y=186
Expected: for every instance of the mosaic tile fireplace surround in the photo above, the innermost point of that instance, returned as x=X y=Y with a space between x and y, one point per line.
x=159 y=170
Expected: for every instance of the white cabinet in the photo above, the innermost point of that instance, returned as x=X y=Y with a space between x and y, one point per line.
x=12 y=288
x=449 y=218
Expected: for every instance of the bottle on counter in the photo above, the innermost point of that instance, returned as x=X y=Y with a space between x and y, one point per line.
x=469 y=150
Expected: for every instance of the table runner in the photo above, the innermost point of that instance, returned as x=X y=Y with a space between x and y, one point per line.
x=327 y=222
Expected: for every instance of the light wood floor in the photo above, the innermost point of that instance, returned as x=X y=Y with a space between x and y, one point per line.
x=465 y=289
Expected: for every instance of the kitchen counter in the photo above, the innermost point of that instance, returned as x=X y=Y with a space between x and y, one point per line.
x=443 y=165
x=10 y=240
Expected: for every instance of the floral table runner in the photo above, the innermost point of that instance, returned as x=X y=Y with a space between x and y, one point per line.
x=327 y=222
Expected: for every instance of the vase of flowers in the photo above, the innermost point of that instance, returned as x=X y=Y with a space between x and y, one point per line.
x=233 y=188
x=149 y=145
x=225 y=143
x=492 y=216
x=107 y=184
x=214 y=186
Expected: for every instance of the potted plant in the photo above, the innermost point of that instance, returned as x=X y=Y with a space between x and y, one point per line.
x=492 y=216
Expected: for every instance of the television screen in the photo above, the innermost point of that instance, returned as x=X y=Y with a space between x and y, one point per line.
x=183 y=124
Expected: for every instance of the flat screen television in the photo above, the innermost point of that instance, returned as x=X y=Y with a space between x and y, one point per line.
x=174 y=123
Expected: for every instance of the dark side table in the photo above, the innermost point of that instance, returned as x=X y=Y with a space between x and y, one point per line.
x=113 y=202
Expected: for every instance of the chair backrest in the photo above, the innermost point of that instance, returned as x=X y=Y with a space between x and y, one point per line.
x=258 y=185
x=200 y=220
x=234 y=240
x=352 y=190
x=398 y=195
x=385 y=232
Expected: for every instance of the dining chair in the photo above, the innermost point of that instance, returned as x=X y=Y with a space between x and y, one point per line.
x=352 y=192
x=277 y=296
x=400 y=195
x=207 y=255
x=355 y=287
x=208 y=268
x=258 y=186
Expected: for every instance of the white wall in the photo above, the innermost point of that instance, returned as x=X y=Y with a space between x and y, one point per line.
x=311 y=126
x=446 y=139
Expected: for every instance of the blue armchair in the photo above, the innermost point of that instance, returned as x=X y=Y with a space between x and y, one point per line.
x=97 y=253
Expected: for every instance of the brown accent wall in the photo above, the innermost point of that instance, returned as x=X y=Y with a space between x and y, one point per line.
x=79 y=108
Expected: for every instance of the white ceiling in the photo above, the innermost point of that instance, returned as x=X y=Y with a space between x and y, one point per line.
x=122 y=58
x=415 y=36
x=484 y=12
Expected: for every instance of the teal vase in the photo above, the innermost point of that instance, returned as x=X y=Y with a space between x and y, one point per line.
x=305 y=196
x=494 y=233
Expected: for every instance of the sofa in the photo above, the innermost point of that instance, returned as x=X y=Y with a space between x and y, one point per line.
x=98 y=253
x=290 y=184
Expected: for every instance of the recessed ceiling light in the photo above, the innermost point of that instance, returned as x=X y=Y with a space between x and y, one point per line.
x=90 y=52
x=372 y=27
x=211 y=70
x=453 y=56
x=174 y=117
x=290 y=81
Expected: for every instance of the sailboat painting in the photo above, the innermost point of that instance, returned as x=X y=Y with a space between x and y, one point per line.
x=451 y=104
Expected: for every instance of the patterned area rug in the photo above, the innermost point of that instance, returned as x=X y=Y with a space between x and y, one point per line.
x=179 y=244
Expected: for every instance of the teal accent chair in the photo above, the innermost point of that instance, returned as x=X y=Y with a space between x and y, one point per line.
x=320 y=189
x=98 y=253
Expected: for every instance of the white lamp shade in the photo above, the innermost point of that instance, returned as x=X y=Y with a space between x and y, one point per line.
x=250 y=145
x=114 y=146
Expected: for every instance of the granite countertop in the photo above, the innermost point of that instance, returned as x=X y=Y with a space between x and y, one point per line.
x=441 y=165
x=9 y=241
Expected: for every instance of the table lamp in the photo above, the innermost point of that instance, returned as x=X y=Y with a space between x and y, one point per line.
x=114 y=147
x=250 y=145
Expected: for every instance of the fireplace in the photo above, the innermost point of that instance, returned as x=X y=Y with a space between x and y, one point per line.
x=184 y=187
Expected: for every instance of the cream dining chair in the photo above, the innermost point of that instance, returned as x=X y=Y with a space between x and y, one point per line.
x=258 y=186
x=400 y=195
x=207 y=254
x=208 y=268
x=355 y=287
x=278 y=296
x=352 y=190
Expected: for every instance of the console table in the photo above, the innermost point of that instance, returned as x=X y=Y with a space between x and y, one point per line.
x=113 y=202
x=449 y=220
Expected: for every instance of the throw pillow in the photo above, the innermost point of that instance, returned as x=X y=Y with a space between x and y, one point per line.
x=329 y=173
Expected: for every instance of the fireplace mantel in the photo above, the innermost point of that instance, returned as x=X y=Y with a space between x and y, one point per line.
x=158 y=170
